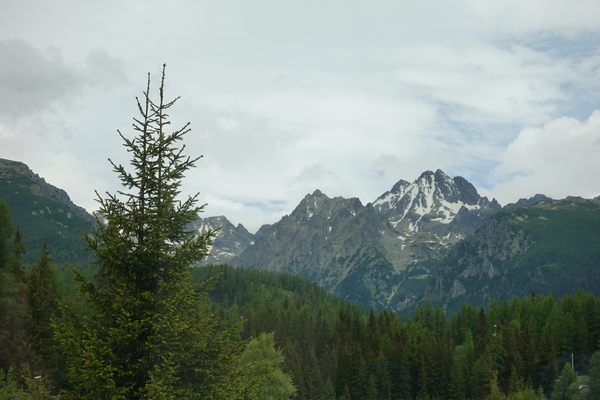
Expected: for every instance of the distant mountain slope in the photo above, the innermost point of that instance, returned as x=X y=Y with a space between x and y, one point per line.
x=531 y=200
x=230 y=241
x=370 y=253
x=44 y=213
x=551 y=245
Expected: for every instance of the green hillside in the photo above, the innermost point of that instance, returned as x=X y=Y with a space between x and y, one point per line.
x=337 y=350
x=551 y=246
x=42 y=219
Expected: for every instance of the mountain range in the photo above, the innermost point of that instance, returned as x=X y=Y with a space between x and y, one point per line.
x=371 y=253
x=435 y=239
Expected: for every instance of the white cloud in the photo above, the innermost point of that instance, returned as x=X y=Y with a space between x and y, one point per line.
x=33 y=81
x=288 y=97
x=558 y=160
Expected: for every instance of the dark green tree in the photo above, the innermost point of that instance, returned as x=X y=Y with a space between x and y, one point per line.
x=41 y=296
x=548 y=366
x=400 y=366
x=495 y=393
x=6 y=232
x=528 y=355
x=147 y=337
x=482 y=375
x=18 y=251
x=13 y=310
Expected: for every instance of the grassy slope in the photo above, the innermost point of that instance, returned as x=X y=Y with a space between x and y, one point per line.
x=565 y=256
x=44 y=220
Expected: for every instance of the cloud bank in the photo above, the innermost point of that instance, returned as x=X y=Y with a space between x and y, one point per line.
x=288 y=97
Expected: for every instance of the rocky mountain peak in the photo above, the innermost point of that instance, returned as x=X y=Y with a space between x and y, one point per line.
x=321 y=206
x=348 y=247
x=400 y=187
x=230 y=240
x=468 y=193
x=432 y=203
x=532 y=200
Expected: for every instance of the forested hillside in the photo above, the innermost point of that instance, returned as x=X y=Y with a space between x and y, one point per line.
x=44 y=213
x=338 y=350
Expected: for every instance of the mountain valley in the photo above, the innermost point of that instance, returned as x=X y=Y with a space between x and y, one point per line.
x=435 y=239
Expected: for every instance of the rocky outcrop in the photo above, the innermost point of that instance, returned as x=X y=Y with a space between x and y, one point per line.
x=375 y=253
x=549 y=245
x=532 y=200
x=229 y=241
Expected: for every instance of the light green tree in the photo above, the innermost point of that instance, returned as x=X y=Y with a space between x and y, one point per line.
x=262 y=364
x=495 y=393
x=147 y=338
x=563 y=388
x=595 y=376
x=528 y=394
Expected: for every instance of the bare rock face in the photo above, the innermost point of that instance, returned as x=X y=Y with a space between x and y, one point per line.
x=374 y=254
x=542 y=246
x=229 y=242
x=532 y=200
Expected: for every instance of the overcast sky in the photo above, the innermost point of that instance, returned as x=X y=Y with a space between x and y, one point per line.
x=288 y=96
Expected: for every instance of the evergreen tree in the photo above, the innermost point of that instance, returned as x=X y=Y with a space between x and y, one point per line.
x=514 y=382
x=329 y=390
x=495 y=393
x=548 y=367
x=567 y=378
x=482 y=375
x=13 y=310
x=262 y=364
x=528 y=354
x=18 y=251
x=6 y=232
x=42 y=304
x=483 y=337
x=400 y=366
x=595 y=376
x=147 y=337
x=456 y=383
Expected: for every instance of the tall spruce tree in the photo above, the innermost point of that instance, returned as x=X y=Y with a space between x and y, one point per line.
x=595 y=376
x=147 y=338
x=41 y=298
x=13 y=312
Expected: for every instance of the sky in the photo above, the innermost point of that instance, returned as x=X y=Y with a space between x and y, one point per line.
x=286 y=96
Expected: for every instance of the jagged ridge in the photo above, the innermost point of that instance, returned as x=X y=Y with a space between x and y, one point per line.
x=370 y=253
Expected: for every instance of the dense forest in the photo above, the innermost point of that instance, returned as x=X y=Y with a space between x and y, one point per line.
x=339 y=350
